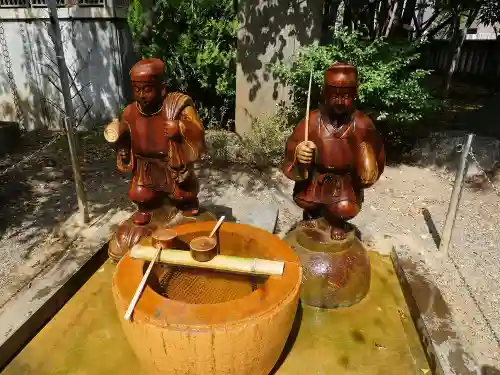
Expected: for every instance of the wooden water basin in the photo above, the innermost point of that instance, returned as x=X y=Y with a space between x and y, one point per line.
x=204 y=322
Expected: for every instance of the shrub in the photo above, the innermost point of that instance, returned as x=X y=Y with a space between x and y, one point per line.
x=197 y=42
x=390 y=88
x=225 y=147
x=265 y=144
x=263 y=147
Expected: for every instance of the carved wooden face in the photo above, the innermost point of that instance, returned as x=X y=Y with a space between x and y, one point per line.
x=147 y=94
x=338 y=99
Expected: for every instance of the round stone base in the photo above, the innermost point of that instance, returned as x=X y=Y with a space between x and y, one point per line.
x=128 y=234
x=335 y=273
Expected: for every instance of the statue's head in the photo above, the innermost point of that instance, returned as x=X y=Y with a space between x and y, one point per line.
x=148 y=83
x=340 y=88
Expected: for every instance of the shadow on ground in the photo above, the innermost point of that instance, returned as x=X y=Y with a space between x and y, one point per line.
x=37 y=196
x=488 y=370
x=437 y=240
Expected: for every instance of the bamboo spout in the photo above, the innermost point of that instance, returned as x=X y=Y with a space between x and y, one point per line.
x=253 y=266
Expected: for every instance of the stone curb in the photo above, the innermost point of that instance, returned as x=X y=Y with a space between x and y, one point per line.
x=441 y=338
x=25 y=313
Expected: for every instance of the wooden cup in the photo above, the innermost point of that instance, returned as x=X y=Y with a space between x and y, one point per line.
x=163 y=238
x=203 y=248
x=114 y=130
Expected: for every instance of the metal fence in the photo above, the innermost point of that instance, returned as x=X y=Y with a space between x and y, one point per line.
x=478 y=58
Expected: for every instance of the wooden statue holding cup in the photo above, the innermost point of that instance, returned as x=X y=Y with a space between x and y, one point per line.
x=332 y=155
x=158 y=138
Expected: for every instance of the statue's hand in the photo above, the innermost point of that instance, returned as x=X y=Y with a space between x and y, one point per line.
x=124 y=154
x=305 y=152
x=183 y=176
x=172 y=128
x=367 y=164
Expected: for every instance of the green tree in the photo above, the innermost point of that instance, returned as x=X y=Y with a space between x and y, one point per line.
x=197 y=41
x=391 y=89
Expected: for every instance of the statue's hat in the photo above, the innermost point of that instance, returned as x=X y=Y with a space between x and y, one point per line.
x=147 y=70
x=341 y=74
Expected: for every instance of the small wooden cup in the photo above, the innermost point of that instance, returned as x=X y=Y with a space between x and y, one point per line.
x=203 y=248
x=163 y=238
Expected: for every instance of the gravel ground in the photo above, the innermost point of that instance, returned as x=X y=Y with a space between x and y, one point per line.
x=407 y=199
x=412 y=201
x=38 y=197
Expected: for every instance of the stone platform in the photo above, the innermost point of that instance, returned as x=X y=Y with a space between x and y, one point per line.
x=376 y=336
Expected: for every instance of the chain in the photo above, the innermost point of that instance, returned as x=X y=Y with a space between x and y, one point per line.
x=471 y=154
x=31 y=156
x=10 y=76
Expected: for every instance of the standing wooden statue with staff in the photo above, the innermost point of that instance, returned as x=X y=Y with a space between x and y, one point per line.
x=334 y=153
x=158 y=138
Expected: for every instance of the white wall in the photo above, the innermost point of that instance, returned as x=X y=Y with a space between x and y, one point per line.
x=99 y=50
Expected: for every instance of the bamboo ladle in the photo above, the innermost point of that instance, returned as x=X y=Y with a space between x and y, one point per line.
x=204 y=248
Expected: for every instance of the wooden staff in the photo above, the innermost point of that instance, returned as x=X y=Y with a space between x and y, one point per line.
x=308 y=107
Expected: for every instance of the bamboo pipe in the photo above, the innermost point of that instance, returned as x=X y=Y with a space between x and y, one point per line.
x=253 y=266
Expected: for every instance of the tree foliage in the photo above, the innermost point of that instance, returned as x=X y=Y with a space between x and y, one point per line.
x=390 y=87
x=489 y=13
x=197 y=41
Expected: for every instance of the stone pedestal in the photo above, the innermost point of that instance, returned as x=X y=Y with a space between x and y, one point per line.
x=128 y=234
x=335 y=273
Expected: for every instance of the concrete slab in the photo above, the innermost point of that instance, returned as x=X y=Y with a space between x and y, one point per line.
x=374 y=337
x=245 y=210
x=263 y=217
x=447 y=350
x=29 y=309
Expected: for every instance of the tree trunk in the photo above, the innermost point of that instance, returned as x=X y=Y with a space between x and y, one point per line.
x=396 y=29
x=330 y=11
x=407 y=16
x=348 y=15
x=457 y=41
x=408 y=12
x=383 y=15
x=371 y=14
x=458 y=38
x=394 y=10
x=69 y=110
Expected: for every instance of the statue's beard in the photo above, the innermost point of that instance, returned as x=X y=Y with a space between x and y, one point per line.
x=339 y=112
x=339 y=109
x=149 y=107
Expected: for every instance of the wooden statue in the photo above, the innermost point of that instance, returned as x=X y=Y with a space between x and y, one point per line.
x=333 y=155
x=158 y=138
x=342 y=156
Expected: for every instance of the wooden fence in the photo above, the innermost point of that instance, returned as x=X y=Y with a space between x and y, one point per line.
x=478 y=58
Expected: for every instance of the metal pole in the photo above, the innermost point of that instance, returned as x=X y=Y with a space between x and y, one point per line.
x=455 y=197
x=68 y=108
